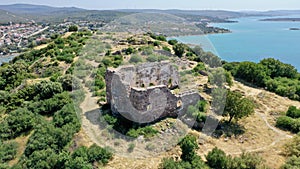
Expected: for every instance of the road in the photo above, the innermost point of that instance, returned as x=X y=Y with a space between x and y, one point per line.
x=37 y=32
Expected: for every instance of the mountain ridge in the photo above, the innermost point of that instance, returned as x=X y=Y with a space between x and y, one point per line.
x=37 y=9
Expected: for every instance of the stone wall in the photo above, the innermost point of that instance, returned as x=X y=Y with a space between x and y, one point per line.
x=143 y=93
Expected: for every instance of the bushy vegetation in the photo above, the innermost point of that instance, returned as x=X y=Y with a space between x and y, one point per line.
x=156 y=58
x=112 y=61
x=197 y=112
x=292 y=151
x=12 y=75
x=130 y=50
x=189 y=157
x=291 y=121
x=217 y=159
x=46 y=110
x=172 y=41
x=126 y=126
x=8 y=151
x=179 y=49
x=271 y=74
x=147 y=132
x=16 y=123
x=73 y=28
x=135 y=59
x=157 y=37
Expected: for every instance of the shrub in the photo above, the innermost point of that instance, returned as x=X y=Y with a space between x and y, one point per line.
x=147 y=132
x=101 y=155
x=8 y=151
x=129 y=51
x=179 y=49
x=135 y=59
x=73 y=28
x=292 y=162
x=217 y=159
x=284 y=122
x=16 y=123
x=173 y=42
x=150 y=147
x=293 y=112
x=131 y=147
x=188 y=146
x=166 y=48
x=156 y=43
x=161 y=38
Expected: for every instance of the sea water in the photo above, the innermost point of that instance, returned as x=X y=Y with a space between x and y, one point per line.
x=253 y=40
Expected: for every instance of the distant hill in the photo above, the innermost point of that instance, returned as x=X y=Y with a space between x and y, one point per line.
x=43 y=13
x=209 y=13
x=6 y=17
x=274 y=13
x=37 y=9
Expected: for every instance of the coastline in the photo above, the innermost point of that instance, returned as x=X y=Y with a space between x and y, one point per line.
x=7 y=58
x=204 y=34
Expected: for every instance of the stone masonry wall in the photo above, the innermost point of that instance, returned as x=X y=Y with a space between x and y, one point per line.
x=143 y=93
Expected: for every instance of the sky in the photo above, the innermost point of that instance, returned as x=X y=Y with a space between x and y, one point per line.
x=235 y=5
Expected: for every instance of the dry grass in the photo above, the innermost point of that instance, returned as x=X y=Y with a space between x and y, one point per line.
x=22 y=142
x=260 y=134
x=40 y=46
x=67 y=34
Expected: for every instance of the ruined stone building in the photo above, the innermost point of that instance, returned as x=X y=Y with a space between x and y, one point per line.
x=144 y=93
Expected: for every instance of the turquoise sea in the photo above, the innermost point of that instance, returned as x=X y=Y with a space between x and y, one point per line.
x=253 y=40
x=5 y=59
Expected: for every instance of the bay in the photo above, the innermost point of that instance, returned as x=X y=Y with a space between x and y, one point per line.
x=253 y=40
x=6 y=59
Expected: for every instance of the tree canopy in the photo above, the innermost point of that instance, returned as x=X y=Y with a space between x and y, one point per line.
x=237 y=106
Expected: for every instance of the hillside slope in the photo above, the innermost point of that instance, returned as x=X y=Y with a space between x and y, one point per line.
x=36 y=9
x=6 y=17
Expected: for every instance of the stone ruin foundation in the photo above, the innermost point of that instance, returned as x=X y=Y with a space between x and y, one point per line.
x=144 y=93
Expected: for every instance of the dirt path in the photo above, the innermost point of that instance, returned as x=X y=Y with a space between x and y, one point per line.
x=262 y=135
x=264 y=110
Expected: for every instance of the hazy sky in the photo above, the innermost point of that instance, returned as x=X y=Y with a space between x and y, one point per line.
x=168 y=4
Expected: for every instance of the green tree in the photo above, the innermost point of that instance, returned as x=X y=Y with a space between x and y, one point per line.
x=169 y=163
x=279 y=69
x=8 y=151
x=254 y=73
x=217 y=159
x=16 y=123
x=179 y=49
x=47 y=89
x=293 y=112
x=42 y=159
x=99 y=154
x=129 y=51
x=188 y=146
x=73 y=28
x=172 y=41
x=237 y=106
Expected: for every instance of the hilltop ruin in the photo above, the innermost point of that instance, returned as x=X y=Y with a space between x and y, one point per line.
x=144 y=93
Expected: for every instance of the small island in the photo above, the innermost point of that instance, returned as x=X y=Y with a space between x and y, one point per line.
x=282 y=19
x=294 y=29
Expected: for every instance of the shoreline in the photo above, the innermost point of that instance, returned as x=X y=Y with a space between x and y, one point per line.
x=203 y=34
x=171 y=37
x=7 y=58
